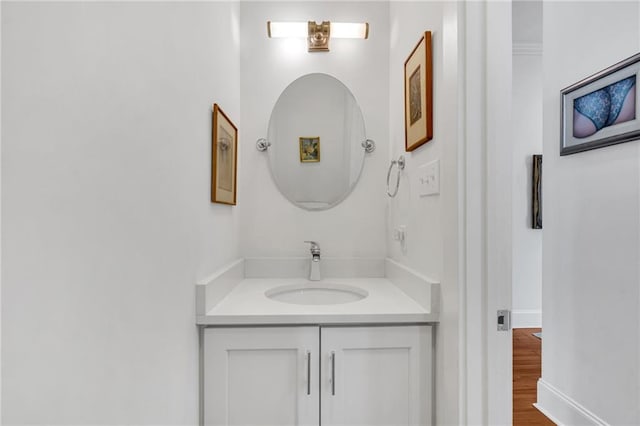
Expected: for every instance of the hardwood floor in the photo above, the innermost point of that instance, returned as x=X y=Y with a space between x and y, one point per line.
x=527 y=354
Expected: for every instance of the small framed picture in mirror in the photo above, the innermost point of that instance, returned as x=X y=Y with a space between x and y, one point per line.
x=309 y=149
x=224 y=158
x=418 y=95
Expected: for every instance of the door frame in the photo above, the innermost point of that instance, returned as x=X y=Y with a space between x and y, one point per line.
x=486 y=257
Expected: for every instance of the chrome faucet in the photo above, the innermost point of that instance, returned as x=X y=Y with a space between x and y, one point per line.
x=314 y=274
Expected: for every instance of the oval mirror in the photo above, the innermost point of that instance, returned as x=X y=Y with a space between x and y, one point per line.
x=316 y=133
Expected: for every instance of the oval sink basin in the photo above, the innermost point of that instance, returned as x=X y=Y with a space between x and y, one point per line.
x=316 y=294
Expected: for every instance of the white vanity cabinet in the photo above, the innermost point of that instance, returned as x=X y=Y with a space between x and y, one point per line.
x=382 y=376
x=261 y=376
x=310 y=375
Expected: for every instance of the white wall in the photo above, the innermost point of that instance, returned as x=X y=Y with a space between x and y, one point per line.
x=422 y=216
x=431 y=222
x=271 y=225
x=591 y=246
x=527 y=140
x=0 y=215
x=106 y=214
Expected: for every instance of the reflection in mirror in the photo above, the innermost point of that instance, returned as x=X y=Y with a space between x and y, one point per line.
x=315 y=134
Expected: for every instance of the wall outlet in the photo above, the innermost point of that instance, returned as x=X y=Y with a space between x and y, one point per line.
x=400 y=235
x=429 y=178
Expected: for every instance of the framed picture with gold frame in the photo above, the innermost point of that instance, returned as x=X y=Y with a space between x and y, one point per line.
x=224 y=151
x=309 y=149
x=418 y=94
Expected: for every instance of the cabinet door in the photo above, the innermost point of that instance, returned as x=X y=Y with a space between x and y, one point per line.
x=261 y=376
x=376 y=376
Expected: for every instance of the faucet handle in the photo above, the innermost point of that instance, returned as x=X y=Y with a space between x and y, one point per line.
x=315 y=247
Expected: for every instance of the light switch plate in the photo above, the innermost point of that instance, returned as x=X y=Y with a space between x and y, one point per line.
x=429 y=178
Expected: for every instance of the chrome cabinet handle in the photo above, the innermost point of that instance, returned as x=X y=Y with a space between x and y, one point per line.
x=308 y=373
x=333 y=373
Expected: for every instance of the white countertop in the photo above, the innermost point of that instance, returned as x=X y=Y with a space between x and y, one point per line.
x=246 y=304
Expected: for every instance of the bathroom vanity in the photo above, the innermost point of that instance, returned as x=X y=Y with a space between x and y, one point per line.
x=296 y=375
x=341 y=351
x=286 y=342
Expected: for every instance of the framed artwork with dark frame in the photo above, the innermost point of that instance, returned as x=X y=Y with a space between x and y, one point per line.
x=309 y=149
x=418 y=95
x=536 y=192
x=601 y=109
x=224 y=151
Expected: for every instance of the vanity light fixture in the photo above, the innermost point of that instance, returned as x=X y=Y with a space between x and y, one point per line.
x=318 y=35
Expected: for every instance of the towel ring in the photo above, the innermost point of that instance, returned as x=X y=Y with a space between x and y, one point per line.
x=400 y=163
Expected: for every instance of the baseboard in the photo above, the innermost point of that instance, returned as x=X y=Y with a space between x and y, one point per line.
x=526 y=319
x=563 y=410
